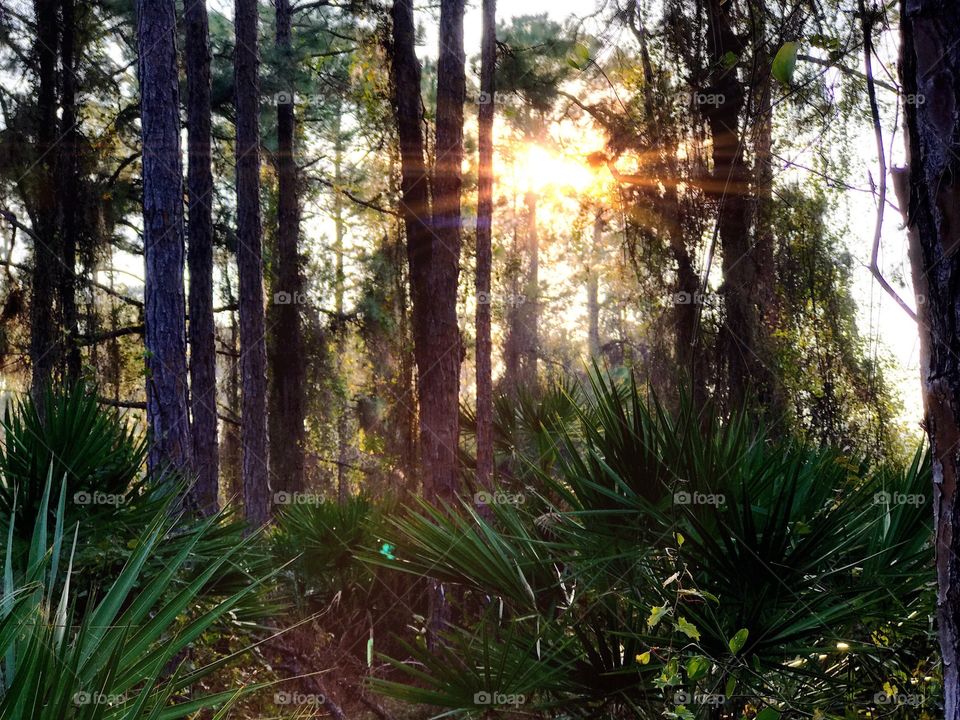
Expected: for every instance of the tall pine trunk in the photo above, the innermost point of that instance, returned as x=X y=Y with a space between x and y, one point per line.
x=488 y=59
x=203 y=358
x=287 y=359
x=46 y=268
x=433 y=247
x=164 y=305
x=69 y=189
x=439 y=366
x=253 y=353
x=343 y=418
x=929 y=190
x=747 y=376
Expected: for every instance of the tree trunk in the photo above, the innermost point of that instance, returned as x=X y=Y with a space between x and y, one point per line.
x=69 y=190
x=203 y=357
x=440 y=373
x=488 y=59
x=343 y=419
x=231 y=455
x=529 y=302
x=164 y=306
x=729 y=186
x=930 y=195
x=253 y=353
x=433 y=248
x=287 y=357
x=46 y=268
x=593 y=288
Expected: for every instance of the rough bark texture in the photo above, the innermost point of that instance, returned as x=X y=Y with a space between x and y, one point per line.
x=729 y=186
x=43 y=340
x=488 y=58
x=930 y=190
x=287 y=357
x=69 y=190
x=253 y=352
x=340 y=281
x=439 y=374
x=164 y=305
x=203 y=358
x=433 y=246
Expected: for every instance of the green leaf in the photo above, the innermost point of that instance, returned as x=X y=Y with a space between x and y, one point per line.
x=656 y=615
x=738 y=640
x=730 y=686
x=688 y=628
x=697 y=667
x=785 y=62
x=768 y=713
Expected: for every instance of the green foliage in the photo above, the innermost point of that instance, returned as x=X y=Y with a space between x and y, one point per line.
x=833 y=376
x=93 y=447
x=121 y=657
x=324 y=538
x=785 y=63
x=99 y=458
x=667 y=563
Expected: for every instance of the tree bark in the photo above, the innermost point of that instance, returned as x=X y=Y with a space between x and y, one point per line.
x=488 y=59
x=287 y=357
x=69 y=191
x=433 y=249
x=253 y=353
x=43 y=329
x=433 y=246
x=440 y=373
x=343 y=419
x=930 y=194
x=164 y=305
x=729 y=186
x=202 y=329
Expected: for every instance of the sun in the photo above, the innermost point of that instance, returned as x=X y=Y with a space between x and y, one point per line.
x=539 y=169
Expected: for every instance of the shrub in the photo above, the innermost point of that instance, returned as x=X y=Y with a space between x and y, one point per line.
x=665 y=564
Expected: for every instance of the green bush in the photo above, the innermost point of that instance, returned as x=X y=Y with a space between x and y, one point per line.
x=323 y=539
x=667 y=564
x=100 y=459
x=92 y=446
x=121 y=658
